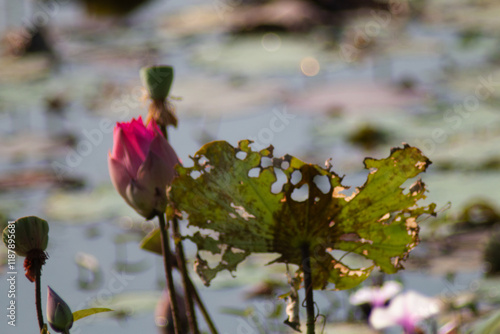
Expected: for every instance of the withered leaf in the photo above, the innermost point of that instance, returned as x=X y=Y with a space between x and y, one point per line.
x=227 y=196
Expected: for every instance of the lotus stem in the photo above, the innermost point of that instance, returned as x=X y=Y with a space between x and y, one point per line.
x=181 y=264
x=38 y=296
x=308 y=286
x=167 y=259
x=202 y=307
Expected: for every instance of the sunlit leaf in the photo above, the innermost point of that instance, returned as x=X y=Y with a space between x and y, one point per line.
x=152 y=242
x=228 y=195
x=77 y=315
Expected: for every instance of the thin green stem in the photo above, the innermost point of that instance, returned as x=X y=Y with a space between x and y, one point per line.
x=181 y=265
x=202 y=307
x=167 y=259
x=308 y=286
x=38 y=294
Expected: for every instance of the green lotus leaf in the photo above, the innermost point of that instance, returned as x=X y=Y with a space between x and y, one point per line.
x=229 y=196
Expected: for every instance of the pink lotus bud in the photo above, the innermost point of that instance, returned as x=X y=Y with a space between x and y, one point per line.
x=59 y=314
x=141 y=166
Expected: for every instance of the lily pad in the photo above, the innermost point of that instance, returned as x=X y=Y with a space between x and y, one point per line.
x=130 y=303
x=230 y=191
x=195 y=91
x=79 y=207
x=281 y=58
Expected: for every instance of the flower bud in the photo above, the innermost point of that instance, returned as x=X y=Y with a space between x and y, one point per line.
x=141 y=166
x=59 y=314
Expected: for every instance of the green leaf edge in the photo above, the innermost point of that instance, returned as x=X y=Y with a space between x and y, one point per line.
x=77 y=315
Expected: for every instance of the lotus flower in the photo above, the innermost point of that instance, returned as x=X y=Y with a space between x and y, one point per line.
x=141 y=166
x=59 y=314
x=405 y=310
x=376 y=296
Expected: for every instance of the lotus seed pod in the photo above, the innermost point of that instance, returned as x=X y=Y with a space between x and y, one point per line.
x=157 y=80
x=59 y=315
x=30 y=233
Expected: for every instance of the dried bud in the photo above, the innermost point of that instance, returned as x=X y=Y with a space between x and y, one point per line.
x=29 y=233
x=28 y=237
x=157 y=80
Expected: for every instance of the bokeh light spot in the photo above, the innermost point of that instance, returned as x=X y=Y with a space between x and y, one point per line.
x=309 y=66
x=271 y=42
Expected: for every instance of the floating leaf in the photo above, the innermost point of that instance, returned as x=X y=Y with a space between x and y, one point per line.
x=229 y=191
x=129 y=303
x=77 y=315
x=73 y=207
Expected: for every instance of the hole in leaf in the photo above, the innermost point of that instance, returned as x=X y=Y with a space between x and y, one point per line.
x=388 y=218
x=212 y=259
x=195 y=174
x=316 y=199
x=241 y=155
x=281 y=179
x=300 y=194
x=242 y=212
x=266 y=162
x=285 y=165
x=296 y=177
x=351 y=260
x=202 y=160
x=254 y=172
x=323 y=183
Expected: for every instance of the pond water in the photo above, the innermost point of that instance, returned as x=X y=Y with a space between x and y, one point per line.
x=231 y=88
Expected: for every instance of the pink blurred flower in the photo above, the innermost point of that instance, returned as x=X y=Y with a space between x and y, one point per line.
x=163 y=314
x=405 y=310
x=374 y=295
x=141 y=166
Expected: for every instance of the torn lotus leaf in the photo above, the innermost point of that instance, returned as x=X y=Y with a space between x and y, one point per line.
x=377 y=222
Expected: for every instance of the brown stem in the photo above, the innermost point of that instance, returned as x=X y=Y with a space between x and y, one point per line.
x=181 y=264
x=308 y=286
x=202 y=307
x=165 y=242
x=38 y=295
